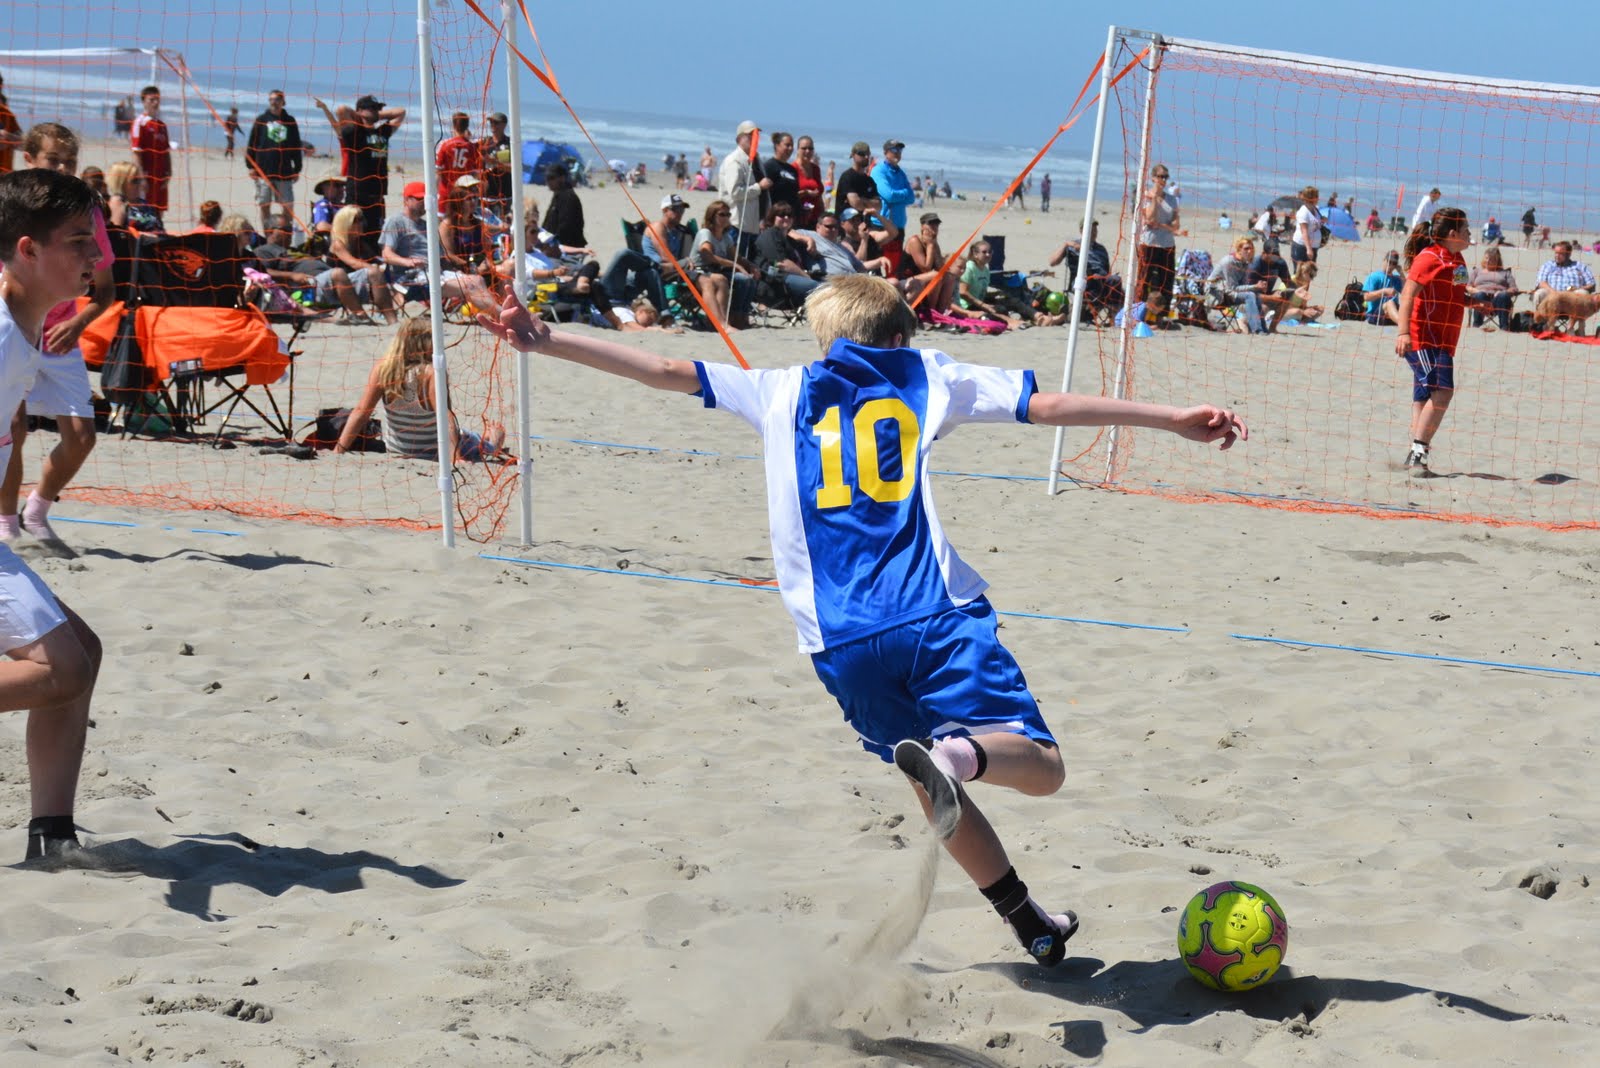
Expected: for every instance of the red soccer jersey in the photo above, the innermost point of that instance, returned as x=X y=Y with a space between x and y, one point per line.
x=457 y=156
x=1441 y=301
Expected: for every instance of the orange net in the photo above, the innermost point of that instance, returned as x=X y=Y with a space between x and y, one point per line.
x=1330 y=402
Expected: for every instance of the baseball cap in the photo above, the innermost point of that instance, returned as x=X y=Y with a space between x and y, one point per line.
x=745 y=127
x=848 y=213
x=369 y=103
x=498 y=116
x=892 y=145
x=673 y=200
x=326 y=180
x=930 y=217
x=416 y=189
x=861 y=148
x=467 y=181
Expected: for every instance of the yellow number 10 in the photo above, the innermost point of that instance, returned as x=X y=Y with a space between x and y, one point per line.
x=834 y=491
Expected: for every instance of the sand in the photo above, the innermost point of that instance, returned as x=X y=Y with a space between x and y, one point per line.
x=355 y=799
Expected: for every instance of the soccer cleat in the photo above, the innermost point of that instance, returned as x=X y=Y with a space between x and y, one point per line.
x=41 y=846
x=1050 y=948
x=915 y=758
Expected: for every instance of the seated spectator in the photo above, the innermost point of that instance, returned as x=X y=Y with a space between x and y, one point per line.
x=1381 y=291
x=328 y=285
x=921 y=262
x=785 y=260
x=96 y=180
x=210 y=215
x=977 y=293
x=827 y=242
x=1269 y=272
x=404 y=251
x=465 y=244
x=1297 y=301
x=403 y=381
x=126 y=205
x=1492 y=233
x=866 y=235
x=1493 y=284
x=1230 y=286
x=545 y=261
x=330 y=198
x=1562 y=274
x=1102 y=286
x=648 y=270
x=727 y=281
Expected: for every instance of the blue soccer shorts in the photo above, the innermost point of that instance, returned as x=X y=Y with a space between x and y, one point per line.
x=1432 y=369
x=946 y=675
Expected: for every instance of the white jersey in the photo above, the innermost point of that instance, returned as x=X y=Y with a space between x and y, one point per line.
x=19 y=366
x=856 y=541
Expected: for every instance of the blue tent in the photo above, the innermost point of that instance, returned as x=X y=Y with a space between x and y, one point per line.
x=1341 y=225
x=537 y=155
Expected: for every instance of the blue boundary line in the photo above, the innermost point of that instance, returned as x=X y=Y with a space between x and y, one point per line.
x=1416 y=656
x=522 y=561
x=135 y=526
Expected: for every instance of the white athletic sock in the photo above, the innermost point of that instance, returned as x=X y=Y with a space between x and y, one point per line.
x=10 y=527
x=37 y=510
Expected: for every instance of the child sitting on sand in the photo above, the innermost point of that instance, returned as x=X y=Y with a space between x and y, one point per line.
x=896 y=624
x=48 y=246
x=403 y=380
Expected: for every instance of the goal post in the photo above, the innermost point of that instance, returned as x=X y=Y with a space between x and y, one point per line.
x=1329 y=401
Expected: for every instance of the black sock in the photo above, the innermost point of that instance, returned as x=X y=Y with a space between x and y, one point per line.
x=53 y=827
x=1037 y=933
x=983 y=766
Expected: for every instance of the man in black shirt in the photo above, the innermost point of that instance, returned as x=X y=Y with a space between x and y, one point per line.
x=497 y=168
x=274 y=156
x=855 y=188
x=364 y=133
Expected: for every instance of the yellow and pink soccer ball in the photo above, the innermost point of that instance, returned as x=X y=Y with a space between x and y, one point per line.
x=1232 y=936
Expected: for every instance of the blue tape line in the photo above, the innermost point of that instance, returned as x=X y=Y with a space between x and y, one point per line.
x=1417 y=656
x=135 y=526
x=773 y=589
x=91 y=522
x=199 y=530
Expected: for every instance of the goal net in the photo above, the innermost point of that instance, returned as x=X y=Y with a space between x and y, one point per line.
x=208 y=59
x=1329 y=401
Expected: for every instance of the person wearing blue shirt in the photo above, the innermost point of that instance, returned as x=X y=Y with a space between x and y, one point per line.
x=1381 y=288
x=896 y=623
x=894 y=188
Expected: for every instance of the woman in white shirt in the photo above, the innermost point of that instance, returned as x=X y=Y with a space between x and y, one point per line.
x=1307 y=228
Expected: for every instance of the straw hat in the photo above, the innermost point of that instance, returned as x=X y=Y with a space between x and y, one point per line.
x=324 y=180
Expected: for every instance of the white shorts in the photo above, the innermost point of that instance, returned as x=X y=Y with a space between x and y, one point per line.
x=28 y=610
x=62 y=387
x=274 y=191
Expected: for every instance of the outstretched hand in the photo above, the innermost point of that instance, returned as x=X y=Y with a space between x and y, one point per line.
x=1206 y=423
x=516 y=326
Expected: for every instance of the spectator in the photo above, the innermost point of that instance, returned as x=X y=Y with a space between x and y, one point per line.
x=1492 y=234
x=1102 y=283
x=497 y=156
x=1425 y=209
x=564 y=216
x=727 y=280
x=465 y=243
x=741 y=184
x=894 y=188
x=1493 y=284
x=122 y=117
x=230 y=130
x=1044 y=194
x=1297 y=302
x=152 y=149
x=829 y=244
x=457 y=155
x=403 y=381
x=866 y=235
x=974 y=292
x=855 y=188
x=1307 y=228
x=781 y=173
x=96 y=179
x=922 y=263
x=404 y=248
x=1158 y=240
x=1381 y=291
x=126 y=205
x=364 y=132
x=812 y=194
x=1270 y=276
x=274 y=155
x=327 y=285
x=1374 y=223
x=329 y=191
x=784 y=260
x=1229 y=283
x=210 y=215
x=665 y=240
x=708 y=164
x=1561 y=274
x=545 y=261
x=1529 y=224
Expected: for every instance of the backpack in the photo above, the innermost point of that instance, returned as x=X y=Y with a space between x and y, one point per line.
x=1352 y=304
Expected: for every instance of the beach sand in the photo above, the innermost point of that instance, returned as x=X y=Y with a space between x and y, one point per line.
x=356 y=799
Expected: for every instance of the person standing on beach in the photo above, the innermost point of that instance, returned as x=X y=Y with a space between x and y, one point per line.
x=274 y=156
x=49 y=249
x=1529 y=224
x=60 y=389
x=1426 y=207
x=855 y=188
x=896 y=624
x=1432 y=306
x=1044 y=193
x=1158 y=240
x=741 y=184
x=364 y=132
x=152 y=148
x=230 y=130
x=894 y=188
x=1307 y=228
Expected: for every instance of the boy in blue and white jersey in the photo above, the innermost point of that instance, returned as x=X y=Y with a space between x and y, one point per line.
x=51 y=657
x=896 y=623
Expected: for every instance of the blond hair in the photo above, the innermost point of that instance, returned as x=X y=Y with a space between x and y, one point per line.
x=346 y=219
x=862 y=308
x=409 y=351
x=118 y=175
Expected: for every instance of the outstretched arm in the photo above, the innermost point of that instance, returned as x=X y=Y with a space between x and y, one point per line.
x=1204 y=423
x=526 y=334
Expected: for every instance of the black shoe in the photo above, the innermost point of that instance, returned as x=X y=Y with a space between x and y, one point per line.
x=1051 y=949
x=40 y=846
x=915 y=758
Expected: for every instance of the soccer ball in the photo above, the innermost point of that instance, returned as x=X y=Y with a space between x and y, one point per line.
x=1232 y=936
